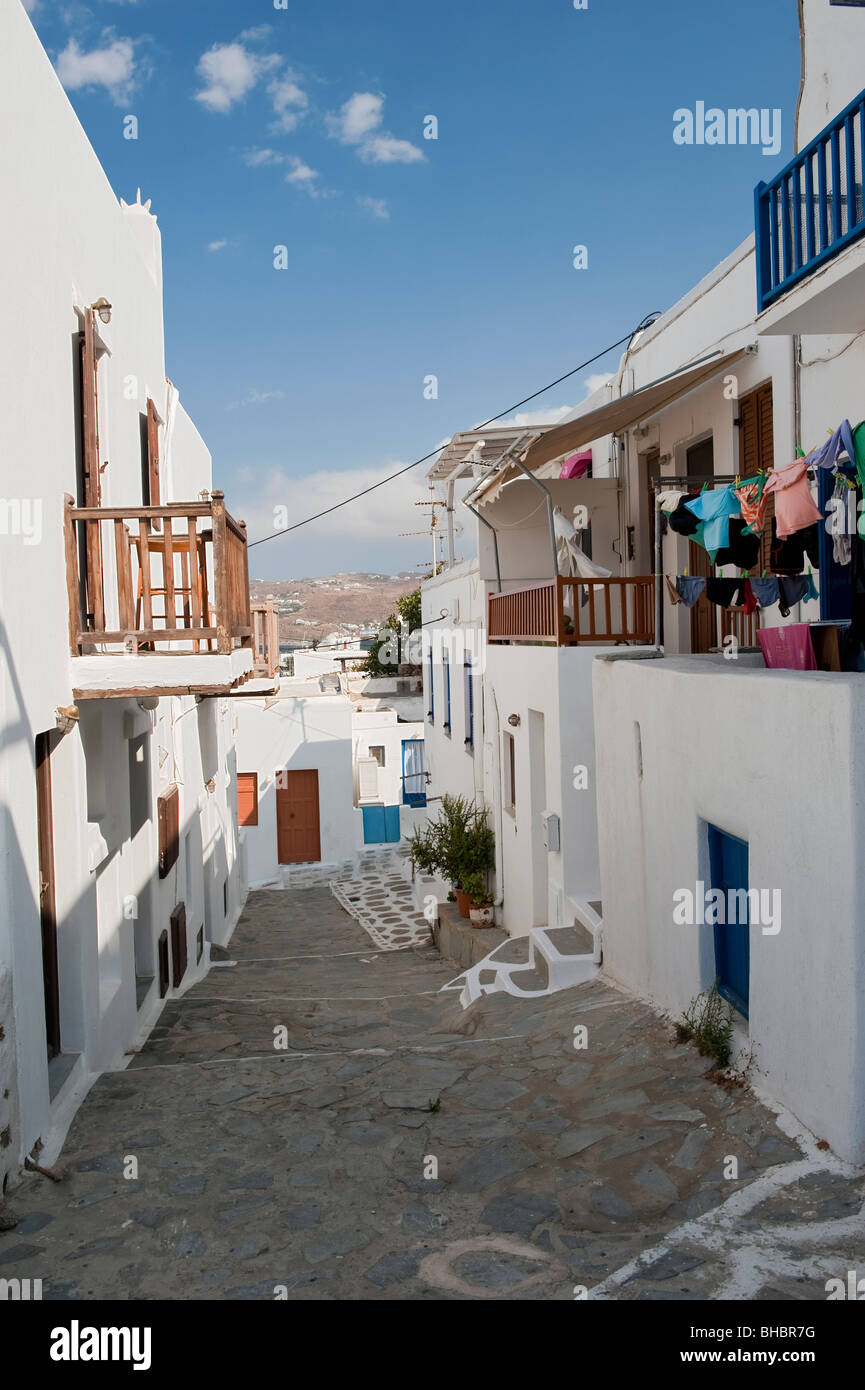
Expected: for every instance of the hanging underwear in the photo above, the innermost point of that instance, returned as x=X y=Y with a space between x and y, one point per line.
x=765 y=591
x=752 y=502
x=689 y=588
x=792 y=589
x=724 y=592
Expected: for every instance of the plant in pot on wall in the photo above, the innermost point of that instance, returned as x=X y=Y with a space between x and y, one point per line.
x=460 y=842
x=481 y=910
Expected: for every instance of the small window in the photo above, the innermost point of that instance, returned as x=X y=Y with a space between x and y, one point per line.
x=377 y=751
x=247 y=798
x=446 y=669
x=469 y=705
x=168 y=807
x=510 y=774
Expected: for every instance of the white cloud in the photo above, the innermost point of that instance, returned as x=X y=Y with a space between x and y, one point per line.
x=377 y=207
x=229 y=72
x=361 y=114
x=290 y=102
x=111 y=67
x=525 y=419
x=597 y=379
x=386 y=149
x=257 y=158
x=375 y=519
x=357 y=124
x=254 y=396
x=216 y=245
x=301 y=176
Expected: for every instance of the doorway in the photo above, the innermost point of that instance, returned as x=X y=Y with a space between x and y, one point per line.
x=45 y=745
x=298 y=828
x=728 y=864
x=538 y=798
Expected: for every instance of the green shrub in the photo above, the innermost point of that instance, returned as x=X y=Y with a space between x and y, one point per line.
x=708 y=1021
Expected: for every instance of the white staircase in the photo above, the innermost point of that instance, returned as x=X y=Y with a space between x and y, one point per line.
x=547 y=960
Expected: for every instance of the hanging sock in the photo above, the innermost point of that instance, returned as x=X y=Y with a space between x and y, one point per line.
x=689 y=588
x=765 y=591
x=794 y=505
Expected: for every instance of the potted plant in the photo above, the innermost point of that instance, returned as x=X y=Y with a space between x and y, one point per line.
x=481 y=910
x=458 y=843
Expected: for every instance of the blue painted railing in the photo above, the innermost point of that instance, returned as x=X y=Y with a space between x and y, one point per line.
x=814 y=208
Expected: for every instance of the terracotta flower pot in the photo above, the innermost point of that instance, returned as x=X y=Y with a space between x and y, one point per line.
x=463 y=903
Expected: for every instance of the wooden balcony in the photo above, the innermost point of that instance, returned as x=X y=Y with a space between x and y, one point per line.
x=167 y=586
x=573 y=612
x=265 y=640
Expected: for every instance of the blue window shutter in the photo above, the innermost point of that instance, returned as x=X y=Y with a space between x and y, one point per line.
x=728 y=861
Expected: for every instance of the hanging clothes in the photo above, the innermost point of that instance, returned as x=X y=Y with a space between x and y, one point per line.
x=794 y=505
x=669 y=500
x=672 y=592
x=724 y=592
x=841 y=544
x=750 y=604
x=744 y=548
x=788 y=648
x=689 y=588
x=788 y=556
x=765 y=591
x=827 y=454
x=752 y=503
x=794 y=589
x=682 y=520
x=714 y=508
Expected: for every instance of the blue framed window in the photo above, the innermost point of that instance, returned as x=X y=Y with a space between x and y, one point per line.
x=446 y=671
x=413 y=775
x=431 y=712
x=470 y=706
x=728 y=868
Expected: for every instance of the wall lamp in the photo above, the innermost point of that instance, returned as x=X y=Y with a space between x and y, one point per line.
x=103 y=309
x=514 y=721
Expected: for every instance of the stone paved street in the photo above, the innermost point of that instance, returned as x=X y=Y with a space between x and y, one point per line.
x=308 y=1168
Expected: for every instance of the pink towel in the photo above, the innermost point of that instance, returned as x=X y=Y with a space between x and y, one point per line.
x=788 y=648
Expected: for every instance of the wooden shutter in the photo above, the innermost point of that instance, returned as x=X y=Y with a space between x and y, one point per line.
x=247 y=798
x=178 y=944
x=757 y=452
x=367 y=779
x=162 y=953
x=153 y=454
x=91 y=489
x=168 y=806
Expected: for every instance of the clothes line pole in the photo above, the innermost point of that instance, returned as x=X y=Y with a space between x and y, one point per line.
x=659 y=593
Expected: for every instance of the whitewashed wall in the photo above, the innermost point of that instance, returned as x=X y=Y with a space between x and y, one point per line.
x=833 y=41
x=775 y=758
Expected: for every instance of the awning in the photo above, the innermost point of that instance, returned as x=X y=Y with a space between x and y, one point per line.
x=613 y=417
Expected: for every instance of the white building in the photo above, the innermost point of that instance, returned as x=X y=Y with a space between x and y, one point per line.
x=710 y=772
x=126 y=628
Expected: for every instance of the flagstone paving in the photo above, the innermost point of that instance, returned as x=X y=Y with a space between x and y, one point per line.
x=317 y=1120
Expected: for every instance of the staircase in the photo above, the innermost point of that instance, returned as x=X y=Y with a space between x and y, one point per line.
x=549 y=959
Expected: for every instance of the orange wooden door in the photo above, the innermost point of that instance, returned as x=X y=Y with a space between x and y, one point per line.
x=298 y=833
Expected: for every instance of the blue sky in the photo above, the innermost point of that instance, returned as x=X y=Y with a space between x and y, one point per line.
x=409 y=257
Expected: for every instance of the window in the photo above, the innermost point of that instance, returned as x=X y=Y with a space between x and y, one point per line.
x=168 y=807
x=446 y=672
x=469 y=705
x=728 y=865
x=509 y=770
x=757 y=453
x=431 y=712
x=376 y=751
x=179 y=957
x=247 y=798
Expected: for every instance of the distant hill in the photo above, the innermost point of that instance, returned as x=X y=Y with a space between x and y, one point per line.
x=311 y=609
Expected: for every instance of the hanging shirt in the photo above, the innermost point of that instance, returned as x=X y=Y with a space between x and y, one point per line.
x=794 y=505
x=827 y=455
x=744 y=547
x=714 y=508
x=752 y=503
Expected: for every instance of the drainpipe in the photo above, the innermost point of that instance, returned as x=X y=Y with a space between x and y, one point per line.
x=497 y=802
x=492 y=528
x=659 y=592
x=545 y=490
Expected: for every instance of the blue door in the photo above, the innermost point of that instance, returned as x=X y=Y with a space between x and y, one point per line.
x=728 y=866
x=380 y=825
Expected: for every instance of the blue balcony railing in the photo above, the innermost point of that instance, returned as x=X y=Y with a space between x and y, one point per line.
x=813 y=208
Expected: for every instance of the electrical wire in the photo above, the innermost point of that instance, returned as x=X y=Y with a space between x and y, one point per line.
x=417 y=462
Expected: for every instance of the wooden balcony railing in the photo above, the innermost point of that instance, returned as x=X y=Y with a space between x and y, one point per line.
x=570 y=612
x=144 y=578
x=265 y=639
